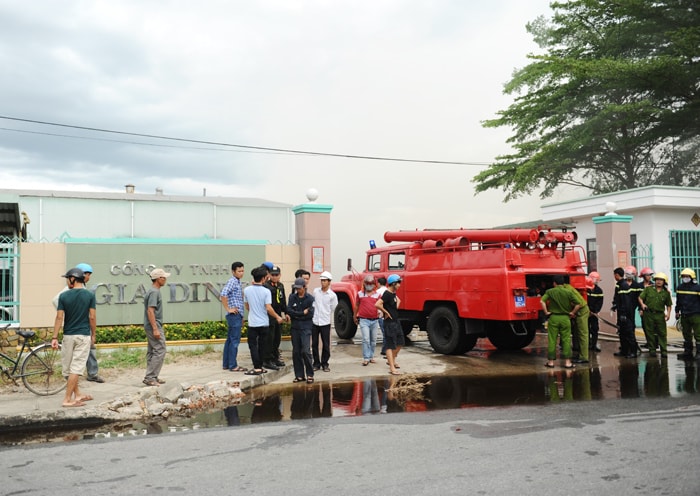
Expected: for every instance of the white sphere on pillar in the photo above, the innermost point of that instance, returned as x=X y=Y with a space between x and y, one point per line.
x=610 y=207
x=312 y=194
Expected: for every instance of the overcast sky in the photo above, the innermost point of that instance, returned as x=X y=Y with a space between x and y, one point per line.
x=395 y=78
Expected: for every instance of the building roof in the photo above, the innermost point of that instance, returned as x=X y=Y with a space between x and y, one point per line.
x=625 y=202
x=8 y=194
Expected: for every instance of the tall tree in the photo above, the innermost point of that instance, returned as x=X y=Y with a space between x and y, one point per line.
x=613 y=104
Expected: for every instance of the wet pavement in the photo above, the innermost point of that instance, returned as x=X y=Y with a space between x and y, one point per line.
x=484 y=377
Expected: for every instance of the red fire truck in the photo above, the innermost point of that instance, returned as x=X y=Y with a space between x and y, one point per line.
x=464 y=284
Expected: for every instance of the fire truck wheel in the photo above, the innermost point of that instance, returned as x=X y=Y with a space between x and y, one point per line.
x=345 y=327
x=446 y=331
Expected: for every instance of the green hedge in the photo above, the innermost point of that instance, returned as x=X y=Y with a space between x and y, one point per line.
x=173 y=332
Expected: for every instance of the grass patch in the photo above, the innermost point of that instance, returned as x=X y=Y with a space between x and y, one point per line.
x=134 y=358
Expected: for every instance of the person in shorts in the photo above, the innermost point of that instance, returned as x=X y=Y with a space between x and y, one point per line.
x=76 y=312
x=389 y=304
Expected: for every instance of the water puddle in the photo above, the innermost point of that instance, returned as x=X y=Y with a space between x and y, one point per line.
x=377 y=396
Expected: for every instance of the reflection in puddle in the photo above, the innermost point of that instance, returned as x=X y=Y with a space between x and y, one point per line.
x=372 y=396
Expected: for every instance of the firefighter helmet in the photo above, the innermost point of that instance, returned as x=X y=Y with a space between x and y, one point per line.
x=630 y=271
x=661 y=275
x=590 y=284
x=646 y=271
x=594 y=276
x=688 y=272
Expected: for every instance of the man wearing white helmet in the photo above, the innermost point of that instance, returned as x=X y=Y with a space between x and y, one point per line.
x=655 y=301
x=688 y=309
x=325 y=301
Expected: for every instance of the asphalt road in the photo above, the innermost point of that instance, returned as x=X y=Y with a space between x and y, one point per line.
x=640 y=438
x=642 y=446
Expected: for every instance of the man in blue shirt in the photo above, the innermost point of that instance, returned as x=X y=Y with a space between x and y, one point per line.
x=258 y=302
x=232 y=300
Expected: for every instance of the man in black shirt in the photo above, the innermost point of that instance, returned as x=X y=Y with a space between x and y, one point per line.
x=272 y=358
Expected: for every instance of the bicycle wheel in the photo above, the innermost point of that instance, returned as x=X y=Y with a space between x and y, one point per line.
x=42 y=371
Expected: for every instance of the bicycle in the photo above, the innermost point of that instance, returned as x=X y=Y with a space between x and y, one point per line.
x=40 y=370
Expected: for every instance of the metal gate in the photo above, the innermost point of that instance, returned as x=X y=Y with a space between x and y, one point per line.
x=642 y=256
x=9 y=291
x=685 y=252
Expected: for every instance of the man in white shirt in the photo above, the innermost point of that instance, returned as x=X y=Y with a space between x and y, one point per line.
x=325 y=301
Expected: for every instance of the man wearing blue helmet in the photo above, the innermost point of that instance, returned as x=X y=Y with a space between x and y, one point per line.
x=389 y=304
x=92 y=366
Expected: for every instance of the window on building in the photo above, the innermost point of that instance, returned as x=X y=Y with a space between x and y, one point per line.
x=592 y=254
x=641 y=255
x=685 y=252
x=8 y=280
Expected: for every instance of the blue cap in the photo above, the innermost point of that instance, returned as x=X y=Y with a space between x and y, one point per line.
x=393 y=278
x=84 y=267
x=269 y=265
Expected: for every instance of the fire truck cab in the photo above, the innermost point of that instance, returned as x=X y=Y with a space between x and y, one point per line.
x=461 y=285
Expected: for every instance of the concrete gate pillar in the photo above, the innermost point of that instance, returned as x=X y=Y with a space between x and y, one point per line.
x=313 y=235
x=613 y=240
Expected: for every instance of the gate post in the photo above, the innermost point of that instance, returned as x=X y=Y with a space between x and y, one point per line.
x=313 y=235
x=613 y=239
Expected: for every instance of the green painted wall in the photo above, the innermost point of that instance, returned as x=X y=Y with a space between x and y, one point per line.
x=198 y=273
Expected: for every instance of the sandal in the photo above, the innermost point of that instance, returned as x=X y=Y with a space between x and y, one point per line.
x=570 y=366
x=309 y=380
x=298 y=379
x=395 y=372
x=238 y=369
x=372 y=361
x=365 y=363
x=152 y=382
x=549 y=365
x=253 y=372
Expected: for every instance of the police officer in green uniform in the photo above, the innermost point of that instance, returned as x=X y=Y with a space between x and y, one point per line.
x=580 y=339
x=560 y=305
x=655 y=301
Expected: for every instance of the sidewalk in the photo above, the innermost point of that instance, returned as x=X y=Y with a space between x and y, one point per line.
x=195 y=382
x=123 y=396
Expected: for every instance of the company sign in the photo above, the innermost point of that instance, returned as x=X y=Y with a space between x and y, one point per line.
x=191 y=294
